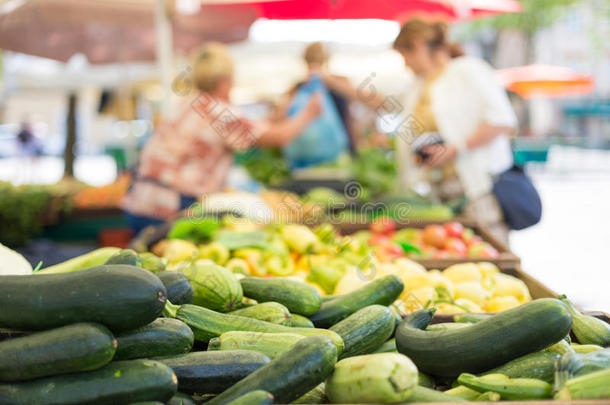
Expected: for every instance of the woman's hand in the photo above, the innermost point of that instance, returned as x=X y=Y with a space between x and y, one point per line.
x=439 y=154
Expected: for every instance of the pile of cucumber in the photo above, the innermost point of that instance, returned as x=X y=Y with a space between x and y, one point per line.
x=119 y=334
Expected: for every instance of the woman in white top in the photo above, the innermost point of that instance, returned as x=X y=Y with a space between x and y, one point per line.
x=460 y=111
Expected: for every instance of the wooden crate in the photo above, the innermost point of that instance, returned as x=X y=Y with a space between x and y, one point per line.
x=506 y=260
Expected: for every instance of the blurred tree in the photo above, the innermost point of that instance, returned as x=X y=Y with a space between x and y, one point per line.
x=536 y=15
x=69 y=153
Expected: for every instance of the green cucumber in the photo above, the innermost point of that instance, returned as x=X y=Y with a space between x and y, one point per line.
x=290 y=375
x=207 y=324
x=213 y=372
x=423 y=394
x=382 y=291
x=299 y=321
x=485 y=344
x=387 y=347
x=365 y=330
x=214 y=287
x=120 y=297
x=77 y=347
x=162 y=337
x=315 y=396
x=508 y=388
x=270 y=344
x=120 y=382
x=179 y=289
x=327 y=298
x=488 y=396
x=257 y=397
x=539 y=365
x=588 y=329
x=273 y=312
x=94 y=258
x=181 y=398
x=372 y=378
x=125 y=256
x=300 y=298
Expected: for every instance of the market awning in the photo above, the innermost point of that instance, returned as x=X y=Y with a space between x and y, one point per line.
x=112 y=31
x=396 y=10
x=545 y=81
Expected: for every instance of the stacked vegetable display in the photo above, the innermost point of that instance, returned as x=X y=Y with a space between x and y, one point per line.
x=336 y=264
x=110 y=335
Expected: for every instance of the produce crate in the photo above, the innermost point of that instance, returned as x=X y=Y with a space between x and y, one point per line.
x=506 y=260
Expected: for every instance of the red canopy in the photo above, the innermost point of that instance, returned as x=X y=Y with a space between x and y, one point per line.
x=397 y=10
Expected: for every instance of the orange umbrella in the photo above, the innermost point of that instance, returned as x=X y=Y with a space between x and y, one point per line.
x=545 y=81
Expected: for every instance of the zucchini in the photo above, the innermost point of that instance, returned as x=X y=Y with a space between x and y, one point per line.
x=461 y=391
x=382 y=291
x=446 y=326
x=120 y=382
x=152 y=262
x=560 y=347
x=470 y=318
x=179 y=290
x=213 y=372
x=120 y=297
x=423 y=394
x=539 y=365
x=488 y=396
x=299 y=321
x=290 y=375
x=588 y=329
x=365 y=330
x=270 y=344
x=300 y=298
x=8 y=334
x=162 y=337
x=595 y=385
x=207 y=324
x=125 y=256
x=181 y=398
x=94 y=258
x=315 y=396
x=214 y=287
x=387 y=347
x=583 y=349
x=372 y=378
x=576 y=364
x=273 y=312
x=425 y=380
x=257 y=397
x=78 y=347
x=485 y=344
x=508 y=388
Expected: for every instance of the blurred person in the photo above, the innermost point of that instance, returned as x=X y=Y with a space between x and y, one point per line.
x=457 y=119
x=27 y=143
x=192 y=155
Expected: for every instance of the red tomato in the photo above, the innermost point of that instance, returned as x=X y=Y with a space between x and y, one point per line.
x=483 y=250
x=456 y=247
x=378 y=239
x=384 y=225
x=454 y=229
x=475 y=240
x=435 y=235
x=390 y=251
x=441 y=254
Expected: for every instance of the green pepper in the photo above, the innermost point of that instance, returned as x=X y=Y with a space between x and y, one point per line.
x=508 y=388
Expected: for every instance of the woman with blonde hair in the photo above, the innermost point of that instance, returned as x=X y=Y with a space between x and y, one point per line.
x=191 y=155
x=456 y=121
